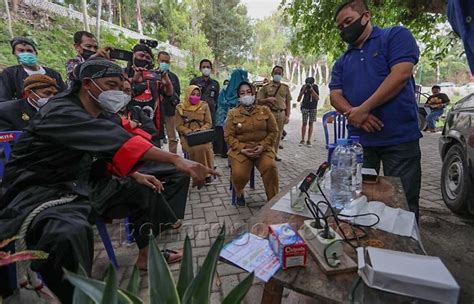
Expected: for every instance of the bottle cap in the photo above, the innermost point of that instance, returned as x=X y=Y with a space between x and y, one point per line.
x=342 y=142
x=355 y=139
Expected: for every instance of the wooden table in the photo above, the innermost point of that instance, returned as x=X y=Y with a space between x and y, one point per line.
x=311 y=280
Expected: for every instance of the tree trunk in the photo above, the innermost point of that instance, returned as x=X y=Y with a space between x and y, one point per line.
x=287 y=64
x=85 y=16
x=438 y=73
x=110 y=8
x=139 y=17
x=9 y=19
x=298 y=74
x=15 y=5
x=120 y=13
x=293 y=68
x=326 y=67
x=98 y=18
x=320 y=72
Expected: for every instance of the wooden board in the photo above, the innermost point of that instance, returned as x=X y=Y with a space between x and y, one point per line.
x=347 y=264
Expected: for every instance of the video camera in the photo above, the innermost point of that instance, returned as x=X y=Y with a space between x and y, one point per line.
x=151 y=43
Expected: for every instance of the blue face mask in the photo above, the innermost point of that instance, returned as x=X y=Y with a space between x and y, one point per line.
x=277 y=78
x=27 y=59
x=164 y=67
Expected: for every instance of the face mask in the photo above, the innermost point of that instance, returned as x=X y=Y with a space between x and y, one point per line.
x=247 y=100
x=194 y=100
x=112 y=100
x=164 y=66
x=206 y=72
x=140 y=63
x=352 y=32
x=225 y=87
x=41 y=100
x=277 y=78
x=86 y=54
x=27 y=59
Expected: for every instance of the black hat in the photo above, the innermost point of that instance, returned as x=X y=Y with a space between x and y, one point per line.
x=99 y=68
x=22 y=40
x=143 y=48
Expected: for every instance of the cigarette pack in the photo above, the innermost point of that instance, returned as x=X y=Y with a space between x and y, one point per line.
x=288 y=246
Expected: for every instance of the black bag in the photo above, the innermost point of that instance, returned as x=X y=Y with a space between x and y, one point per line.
x=199 y=137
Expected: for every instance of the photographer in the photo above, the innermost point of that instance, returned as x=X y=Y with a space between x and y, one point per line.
x=170 y=103
x=148 y=85
x=310 y=94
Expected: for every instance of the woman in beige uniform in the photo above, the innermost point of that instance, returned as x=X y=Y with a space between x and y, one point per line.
x=250 y=131
x=192 y=115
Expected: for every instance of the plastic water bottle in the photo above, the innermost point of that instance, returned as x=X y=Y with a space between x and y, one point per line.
x=341 y=174
x=357 y=163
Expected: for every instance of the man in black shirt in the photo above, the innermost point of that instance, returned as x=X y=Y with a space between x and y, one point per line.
x=68 y=151
x=209 y=90
x=16 y=114
x=148 y=85
x=436 y=102
x=209 y=87
x=11 y=79
x=310 y=94
x=170 y=102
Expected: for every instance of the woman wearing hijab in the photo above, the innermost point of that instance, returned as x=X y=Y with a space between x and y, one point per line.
x=250 y=131
x=193 y=115
x=226 y=102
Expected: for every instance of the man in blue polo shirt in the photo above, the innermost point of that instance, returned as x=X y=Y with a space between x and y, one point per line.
x=372 y=85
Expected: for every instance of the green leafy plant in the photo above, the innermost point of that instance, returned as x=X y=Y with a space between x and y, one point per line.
x=7 y=258
x=161 y=285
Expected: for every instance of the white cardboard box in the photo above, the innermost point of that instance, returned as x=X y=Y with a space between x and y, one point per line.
x=413 y=275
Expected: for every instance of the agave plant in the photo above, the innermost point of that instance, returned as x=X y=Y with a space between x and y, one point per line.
x=161 y=285
x=7 y=258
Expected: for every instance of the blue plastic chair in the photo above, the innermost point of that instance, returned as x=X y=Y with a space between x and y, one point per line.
x=6 y=139
x=339 y=127
x=101 y=225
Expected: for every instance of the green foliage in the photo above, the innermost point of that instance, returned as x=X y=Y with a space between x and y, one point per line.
x=316 y=31
x=162 y=289
x=227 y=28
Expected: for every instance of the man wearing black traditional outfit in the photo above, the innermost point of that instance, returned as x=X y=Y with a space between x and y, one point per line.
x=11 y=79
x=16 y=114
x=65 y=150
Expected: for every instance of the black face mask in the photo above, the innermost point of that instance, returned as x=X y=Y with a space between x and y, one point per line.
x=86 y=54
x=140 y=63
x=352 y=32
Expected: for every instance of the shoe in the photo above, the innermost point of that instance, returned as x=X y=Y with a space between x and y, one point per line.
x=308 y=144
x=301 y=143
x=208 y=180
x=278 y=159
x=224 y=155
x=241 y=201
x=280 y=147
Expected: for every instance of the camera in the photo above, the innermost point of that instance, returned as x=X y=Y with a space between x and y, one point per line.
x=152 y=75
x=151 y=43
x=121 y=55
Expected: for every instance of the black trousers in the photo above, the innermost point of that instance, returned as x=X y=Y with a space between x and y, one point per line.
x=404 y=161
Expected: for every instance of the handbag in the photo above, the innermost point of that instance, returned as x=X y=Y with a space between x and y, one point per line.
x=199 y=137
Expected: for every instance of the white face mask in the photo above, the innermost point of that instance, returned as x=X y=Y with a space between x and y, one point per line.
x=41 y=100
x=112 y=100
x=247 y=100
x=206 y=72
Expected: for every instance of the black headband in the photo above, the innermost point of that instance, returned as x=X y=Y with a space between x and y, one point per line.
x=143 y=48
x=99 y=68
x=22 y=40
